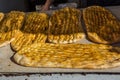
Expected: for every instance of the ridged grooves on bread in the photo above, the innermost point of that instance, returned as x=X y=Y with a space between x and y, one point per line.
x=34 y=30
x=65 y=26
x=103 y=23
x=90 y=56
x=10 y=26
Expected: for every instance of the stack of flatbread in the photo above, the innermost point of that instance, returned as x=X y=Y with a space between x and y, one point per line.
x=35 y=33
x=34 y=30
x=9 y=26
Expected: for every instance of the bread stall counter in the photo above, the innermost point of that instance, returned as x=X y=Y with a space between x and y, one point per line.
x=12 y=69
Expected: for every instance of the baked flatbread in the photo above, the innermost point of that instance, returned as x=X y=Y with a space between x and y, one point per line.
x=33 y=31
x=86 y=56
x=65 y=26
x=1 y=16
x=101 y=25
x=9 y=26
x=22 y=39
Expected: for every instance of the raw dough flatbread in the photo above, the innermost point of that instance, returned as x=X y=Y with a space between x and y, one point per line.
x=65 y=26
x=33 y=31
x=101 y=25
x=86 y=56
x=9 y=26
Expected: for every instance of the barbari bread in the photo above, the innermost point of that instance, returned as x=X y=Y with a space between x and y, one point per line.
x=86 y=56
x=65 y=26
x=101 y=25
x=10 y=26
x=1 y=16
x=33 y=31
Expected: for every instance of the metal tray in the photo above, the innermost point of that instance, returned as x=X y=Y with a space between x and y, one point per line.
x=7 y=66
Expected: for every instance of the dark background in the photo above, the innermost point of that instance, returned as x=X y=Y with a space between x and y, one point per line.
x=29 y=5
x=103 y=2
x=8 y=5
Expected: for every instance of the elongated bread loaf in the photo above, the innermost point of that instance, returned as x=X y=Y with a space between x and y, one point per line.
x=65 y=26
x=101 y=25
x=88 y=56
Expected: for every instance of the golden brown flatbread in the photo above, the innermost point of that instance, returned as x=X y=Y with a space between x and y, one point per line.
x=10 y=25
x=101 y=25
x=21 y=39
x=33 y=31
x=86 y=56
x=65 y=26
x=1 y=16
